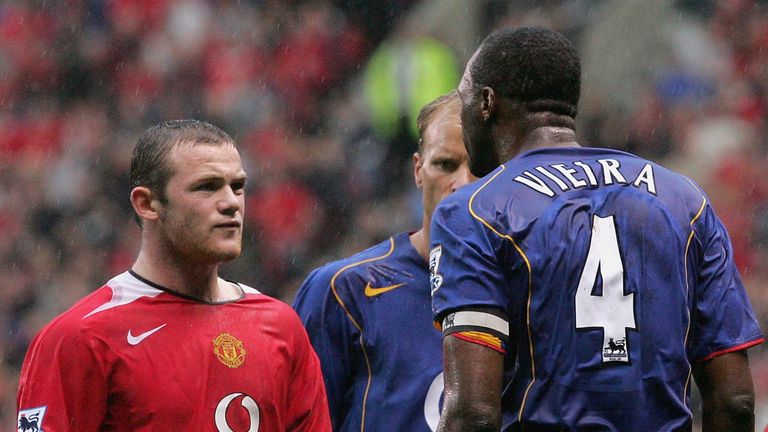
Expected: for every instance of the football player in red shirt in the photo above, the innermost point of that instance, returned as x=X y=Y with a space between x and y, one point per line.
x=169 y=345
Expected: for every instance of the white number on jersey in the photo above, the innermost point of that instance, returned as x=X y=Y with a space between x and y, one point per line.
x=432 y=402
x=613 y=311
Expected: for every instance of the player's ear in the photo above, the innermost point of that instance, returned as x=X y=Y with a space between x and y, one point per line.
x=418 y=162
x=145 y=203
x=488 y=103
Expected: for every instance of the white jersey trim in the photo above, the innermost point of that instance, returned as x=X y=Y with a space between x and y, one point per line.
x=125 y=289
x=248 y=290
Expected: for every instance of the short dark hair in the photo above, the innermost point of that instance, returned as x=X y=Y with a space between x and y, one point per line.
x=425 y=115
x=149 y=165
x=534 y=65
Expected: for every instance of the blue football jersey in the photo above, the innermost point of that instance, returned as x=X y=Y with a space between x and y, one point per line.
x=369 y=319
x=614 y=275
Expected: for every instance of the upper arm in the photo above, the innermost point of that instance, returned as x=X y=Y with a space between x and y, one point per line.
x=470 y=293
x=63 y=376
x=473 y=380
x=464 y=263
x=723 y=326
x=722 y=319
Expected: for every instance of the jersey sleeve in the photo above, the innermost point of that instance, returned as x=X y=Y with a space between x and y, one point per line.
x=63 y=383
x=464 y=271
x=722 y=319
x=332 y=336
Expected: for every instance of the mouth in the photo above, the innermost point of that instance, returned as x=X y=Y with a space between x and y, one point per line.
x=230 y=224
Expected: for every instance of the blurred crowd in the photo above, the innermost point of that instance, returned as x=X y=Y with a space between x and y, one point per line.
x=292 y=81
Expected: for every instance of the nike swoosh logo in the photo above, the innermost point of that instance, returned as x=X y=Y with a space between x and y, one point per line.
x=135 y=340
x=371 y=292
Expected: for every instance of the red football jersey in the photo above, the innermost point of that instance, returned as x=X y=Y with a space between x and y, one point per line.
x=134 y=357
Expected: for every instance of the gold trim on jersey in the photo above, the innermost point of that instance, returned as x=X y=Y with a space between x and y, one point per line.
x=530 y=286
x=229 y=350
x=685 y=267
x=355 y=323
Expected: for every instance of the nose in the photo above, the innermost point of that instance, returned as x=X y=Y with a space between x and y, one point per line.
x=231 y=202
x=462 y=177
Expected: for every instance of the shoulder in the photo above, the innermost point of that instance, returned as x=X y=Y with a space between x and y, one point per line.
x=338 y=273
x=271 y=311
x=682 y=195
x=73 y=328
x=456 y=206
x=475 y=209
x=255 y=298
x=641 y=171
x=94 y=312
x=277 y=321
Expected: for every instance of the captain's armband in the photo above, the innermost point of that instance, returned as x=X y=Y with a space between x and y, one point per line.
x=484 y=327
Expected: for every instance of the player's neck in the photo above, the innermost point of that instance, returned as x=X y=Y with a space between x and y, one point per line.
x=548 y=136
x=199 y=281
x=420 y=241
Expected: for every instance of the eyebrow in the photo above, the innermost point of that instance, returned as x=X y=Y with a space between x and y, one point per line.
x=241 y=176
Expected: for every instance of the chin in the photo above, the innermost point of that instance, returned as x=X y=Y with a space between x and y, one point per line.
x=480 y=167
x=224 y=254
x=229 y=255
x=482 y=159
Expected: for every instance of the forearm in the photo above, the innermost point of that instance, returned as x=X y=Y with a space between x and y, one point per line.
x=735 y=414
x=460 y=417
x=727 y=393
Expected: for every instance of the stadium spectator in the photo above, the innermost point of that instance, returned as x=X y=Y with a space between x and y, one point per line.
x=402 y=75
x=129 y=355
x=610 y=278
x=368 y=315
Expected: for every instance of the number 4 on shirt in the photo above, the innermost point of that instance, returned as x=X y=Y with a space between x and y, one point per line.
x=612 y=311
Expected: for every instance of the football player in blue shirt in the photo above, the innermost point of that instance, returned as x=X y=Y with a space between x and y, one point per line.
x=607 y=279
x=368 y=316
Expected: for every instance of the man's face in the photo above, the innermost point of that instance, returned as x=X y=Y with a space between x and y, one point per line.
x=441 y=167
x=476 y=132
x=202 y=218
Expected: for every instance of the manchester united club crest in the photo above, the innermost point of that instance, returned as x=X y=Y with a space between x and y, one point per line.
x=229 y=350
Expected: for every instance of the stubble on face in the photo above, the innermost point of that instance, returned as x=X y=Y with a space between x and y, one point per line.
x=200 y=201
